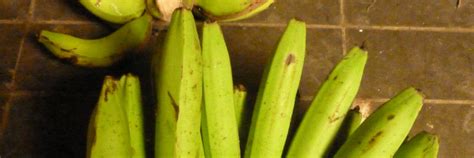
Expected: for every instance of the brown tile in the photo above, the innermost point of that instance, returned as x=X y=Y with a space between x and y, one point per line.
x=310 y=11
x=39 y=70
x=454 y=124
x=440 y=64
x=14 y=9
x=250 y=49
x=10 y=42
x=61 y=10
x=442 y=13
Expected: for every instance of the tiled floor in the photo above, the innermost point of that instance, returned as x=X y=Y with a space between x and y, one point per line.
x=45 y=103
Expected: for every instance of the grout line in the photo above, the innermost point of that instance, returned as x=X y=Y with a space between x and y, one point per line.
x=11 y=21
x=343 y=26
x=63 y=22
x=427 y=101
x=413 y=28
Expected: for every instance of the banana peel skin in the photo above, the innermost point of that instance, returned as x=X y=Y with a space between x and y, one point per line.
x=276 y=97
x=231 y=10
x=115 y=11
x=116 y=126
x=326 y=113
x=220 y=128
x=382 y=133
x=422 y=145
x=351 y=122
x=101 y=52
x=178 y=88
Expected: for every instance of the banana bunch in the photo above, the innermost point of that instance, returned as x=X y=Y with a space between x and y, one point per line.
x=101 y=52
x=178 y=87
x=276 y=96
x=116 y=125
x=423 y=145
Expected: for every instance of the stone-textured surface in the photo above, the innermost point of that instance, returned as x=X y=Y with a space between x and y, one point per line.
x=440 y=64
x=14 y=10
x=441 y=13
x=10 y=42
x=61 y=10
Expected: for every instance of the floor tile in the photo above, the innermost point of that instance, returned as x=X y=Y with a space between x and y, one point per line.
x=11 y=41
x=14 y=9
x=61 y=10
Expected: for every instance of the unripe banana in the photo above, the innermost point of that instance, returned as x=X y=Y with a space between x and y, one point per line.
x=276 y=96
x=116 y=125
x=423 y=145
x=98 y=52
x=115 y=11
x=178 y=89
x=351 y=122
x=321 y=122
x=240 y=102
x=382 y=133
x=220 y=130
x=231 y=10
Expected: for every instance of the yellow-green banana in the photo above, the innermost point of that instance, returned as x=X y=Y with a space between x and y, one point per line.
x=352 y=120
x=321 y=122
x=220 y=129
x=115 y=11
x=382 y=133
x=98 y=52
x=178 y=87
x=276 y=96
x=240 y=102
x=231 y=10
x=116 y=125
x=423 y=145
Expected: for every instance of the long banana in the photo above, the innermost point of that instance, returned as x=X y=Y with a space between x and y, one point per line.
x=382 y=133
x=178 y=81
x=351 y=122
x=220 y=129
x=328 y=108
x=423 y=145
x=240 y=102
x=231 y=10
x=276 y=96
x=98 y=52
x=115 y=11
x=116 y=125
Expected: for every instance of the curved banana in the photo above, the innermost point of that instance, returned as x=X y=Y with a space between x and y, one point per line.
x=328 y=108
x=220 y=129
x=98 y=52
x=423 y=145
x=116 y=125
x=276 y=96
x=382 y=133
x=115 y=11
x=231 y=10
x=178 y=88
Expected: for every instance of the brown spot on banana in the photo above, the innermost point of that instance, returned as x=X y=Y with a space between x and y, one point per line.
x=290 y=59
x=175 y=105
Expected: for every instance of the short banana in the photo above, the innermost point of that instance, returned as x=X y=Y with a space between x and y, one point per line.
x=352 y=120
x=382 y=133
x=240 y=102
x=116 y=125
x=423 y=145
x=99 y=52
x=178 y=89
x=231 y=10
x=220 y=129
x=276 y=97
x=321 y=122
x=115 y=11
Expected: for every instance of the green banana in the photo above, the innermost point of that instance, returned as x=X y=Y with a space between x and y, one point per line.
x=352 y=120
x=276 y=96
x=115 y=11
x=328 y=108
x=240 y=101
x=178 y=87
x=98 y=52
x=231 y=10
x=382 y=133
x=116 y=125
x=220 y=129
x=423 y=145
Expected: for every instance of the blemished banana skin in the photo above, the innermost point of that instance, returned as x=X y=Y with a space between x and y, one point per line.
x=102 y=52
x=219 y=124
x=422 y=145
x=115 y=11
x=231 y=10
x=276 y=96
x=382 y=133
x=116 y=125
x=178 y=89
x=326 y=113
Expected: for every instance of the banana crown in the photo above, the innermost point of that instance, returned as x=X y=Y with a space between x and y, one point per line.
x=116 y=125
x=115 y=11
